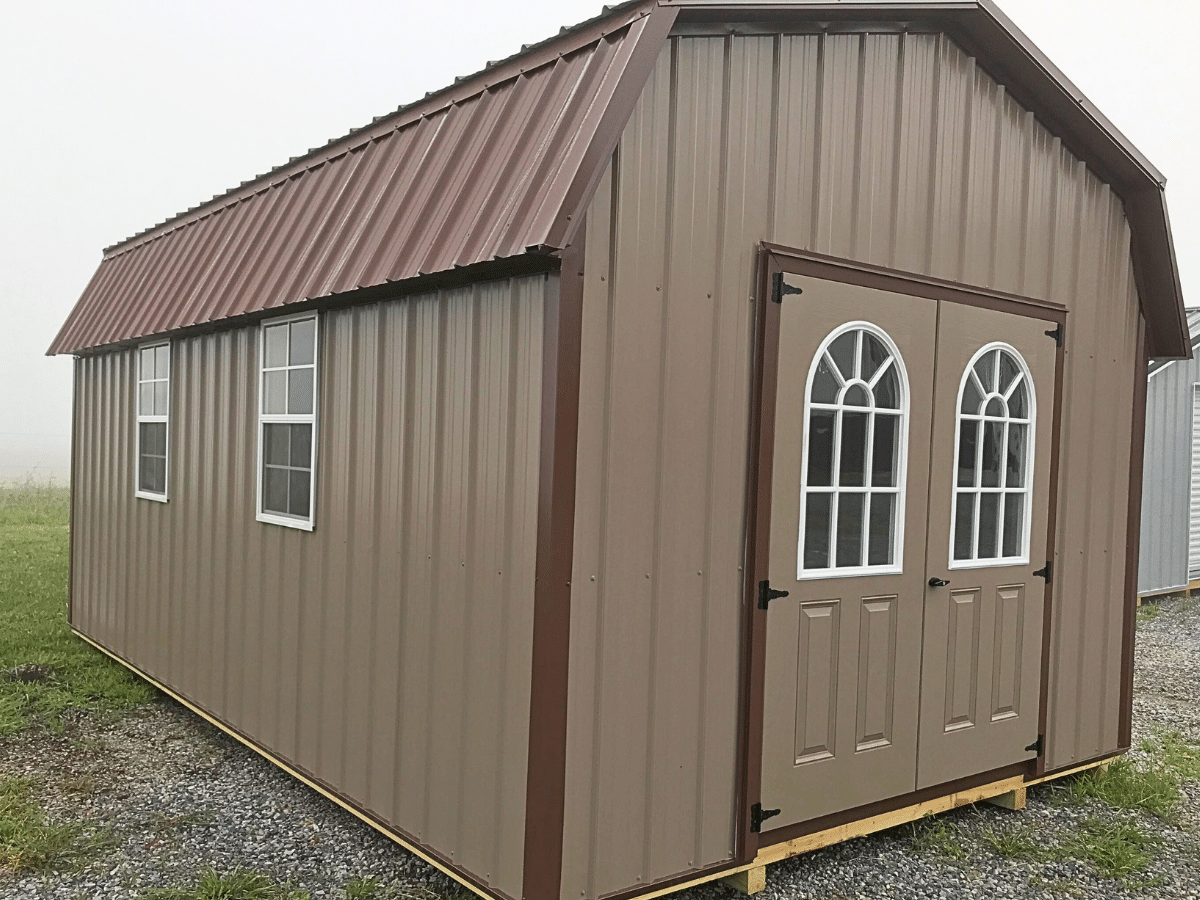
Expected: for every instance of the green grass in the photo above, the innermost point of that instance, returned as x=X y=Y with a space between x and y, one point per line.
x=240 y=884
x=362 y=889
x=1148 y=612
x=28 y=843
x=1126 y=786
x=1011 y=842
x=1116 y=849
x=936 y=835
x=33 y=619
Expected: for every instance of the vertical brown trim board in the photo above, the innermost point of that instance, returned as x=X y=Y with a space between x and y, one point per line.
x=1133 y=536
x=758 y=530
x=1060 y=365
x=546 y=779
x=76 y=365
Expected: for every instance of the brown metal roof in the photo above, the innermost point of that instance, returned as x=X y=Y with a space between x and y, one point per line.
x=493 y=167
x=505 y=162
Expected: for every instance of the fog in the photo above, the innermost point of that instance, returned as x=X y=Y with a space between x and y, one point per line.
x=119 y=114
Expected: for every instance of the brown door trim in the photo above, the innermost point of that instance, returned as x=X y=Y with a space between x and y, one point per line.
x=1133 y=539
x=1051 y=561
x=773 y=259
x=545 y=787
x=758 y=530
x=800 y=829
x=831 y=268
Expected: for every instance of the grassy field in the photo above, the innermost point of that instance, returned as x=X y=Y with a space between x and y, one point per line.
x=33 y=620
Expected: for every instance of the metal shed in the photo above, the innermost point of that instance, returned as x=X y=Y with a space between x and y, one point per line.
x=710 y=434
x=1170 y=538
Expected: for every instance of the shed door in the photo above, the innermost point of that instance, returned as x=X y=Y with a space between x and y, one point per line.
x=1194 y=510
x=993 y=419
x=878 y=683
x=852 y=454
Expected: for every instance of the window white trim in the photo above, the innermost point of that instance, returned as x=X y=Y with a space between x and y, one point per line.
x=1030 y=456
x=265 y=418
x=899 y=491
x=139 y=419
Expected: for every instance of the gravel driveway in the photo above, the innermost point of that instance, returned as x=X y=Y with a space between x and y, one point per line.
x=176 y=795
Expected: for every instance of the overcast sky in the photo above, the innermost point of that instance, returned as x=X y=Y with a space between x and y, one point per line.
x=117 y=114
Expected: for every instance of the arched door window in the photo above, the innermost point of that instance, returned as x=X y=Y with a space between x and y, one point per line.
x=856 y=437
x=993 y=475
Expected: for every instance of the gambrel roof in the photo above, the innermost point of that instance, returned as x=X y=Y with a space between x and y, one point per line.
x=500 y=167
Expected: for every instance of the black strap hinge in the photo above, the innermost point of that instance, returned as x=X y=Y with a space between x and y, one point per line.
x=1036 y=746
x=766 y=595
x=1046 y=571
x=758 y=815
x=782 y=288
x=1057 y=333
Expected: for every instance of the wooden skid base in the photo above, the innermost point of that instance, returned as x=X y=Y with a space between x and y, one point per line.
x=748 y=881
x=1008 y=793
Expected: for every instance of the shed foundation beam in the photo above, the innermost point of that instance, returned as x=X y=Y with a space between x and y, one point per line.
x=1009 y=799
x=748 y=881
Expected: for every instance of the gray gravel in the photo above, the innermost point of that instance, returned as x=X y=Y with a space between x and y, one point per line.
x=176 y=795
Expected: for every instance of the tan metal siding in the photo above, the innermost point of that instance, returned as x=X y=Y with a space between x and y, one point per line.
x=387 y=652
x=893 y=149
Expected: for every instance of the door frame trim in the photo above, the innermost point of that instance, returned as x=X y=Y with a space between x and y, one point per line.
x=773 y=259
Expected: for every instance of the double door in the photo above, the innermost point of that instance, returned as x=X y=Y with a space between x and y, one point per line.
x=909 y=492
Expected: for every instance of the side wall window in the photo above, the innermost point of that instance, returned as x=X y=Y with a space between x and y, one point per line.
x=287 y=421
x=993 y=474
x=852 y=483
x=153 y=420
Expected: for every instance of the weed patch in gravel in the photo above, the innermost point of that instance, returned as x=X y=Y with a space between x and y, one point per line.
x=28 y=843
x=239 y=884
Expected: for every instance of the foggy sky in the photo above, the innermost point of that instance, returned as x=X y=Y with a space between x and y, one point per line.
x=118 y=114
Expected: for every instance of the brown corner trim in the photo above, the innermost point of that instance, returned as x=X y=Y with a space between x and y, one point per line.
x=759 y=460
x=800 y=829
x=409 y=843
x=76 y=364
x=1133 y=539
x=881 y=278
x=546 y=781
x=1060 y=365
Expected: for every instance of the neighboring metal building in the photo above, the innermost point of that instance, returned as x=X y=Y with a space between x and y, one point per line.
x=557 y=473
x=1170 y=541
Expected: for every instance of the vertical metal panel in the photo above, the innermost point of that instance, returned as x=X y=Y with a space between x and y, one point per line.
x=892 y=149
x=387 y=652
x=1168 y=479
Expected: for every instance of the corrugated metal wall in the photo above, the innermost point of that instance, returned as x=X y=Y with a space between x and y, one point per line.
x=894 y=149
x=1166 y=478
x=388 y=652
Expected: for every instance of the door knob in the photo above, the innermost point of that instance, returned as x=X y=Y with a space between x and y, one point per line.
x=938 y=582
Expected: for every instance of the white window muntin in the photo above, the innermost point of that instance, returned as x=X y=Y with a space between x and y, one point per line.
x=895 y=361
x=152 y=405
x=1029 y=421
x=265 y=418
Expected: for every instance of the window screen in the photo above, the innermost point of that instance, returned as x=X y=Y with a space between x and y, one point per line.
x=993 y=471
x=287 y=421
x=153 y=420
x=852 y=485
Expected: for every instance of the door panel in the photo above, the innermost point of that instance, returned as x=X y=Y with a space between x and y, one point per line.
x=982 y=641
x=843 y=653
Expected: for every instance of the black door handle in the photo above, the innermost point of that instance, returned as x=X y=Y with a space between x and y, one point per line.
x=938 y=582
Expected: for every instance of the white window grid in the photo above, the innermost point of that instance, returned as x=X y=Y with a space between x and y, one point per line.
x=141 y=418
x=898 y=491
x=1030 y=421
x=265 y=418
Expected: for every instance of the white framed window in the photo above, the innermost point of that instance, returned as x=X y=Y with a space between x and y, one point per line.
x=287 y=421
x=153 y=421
x=993 y=452
x=855 y=456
